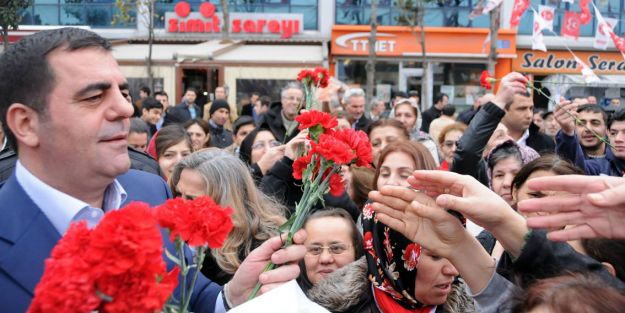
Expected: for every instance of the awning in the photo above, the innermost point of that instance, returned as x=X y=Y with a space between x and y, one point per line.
x=208 y=50
x=274 y=54
x=565 y=81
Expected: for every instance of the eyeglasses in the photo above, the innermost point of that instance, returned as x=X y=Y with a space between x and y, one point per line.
x=262 y=144
x=334 y=249
x=450 y=143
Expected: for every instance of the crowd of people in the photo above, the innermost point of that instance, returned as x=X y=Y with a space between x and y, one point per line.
x=494 y=209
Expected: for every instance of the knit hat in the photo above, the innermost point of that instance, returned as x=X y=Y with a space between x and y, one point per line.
x=218 y=104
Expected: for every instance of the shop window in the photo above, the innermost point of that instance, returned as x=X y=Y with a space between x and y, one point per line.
x=446 y=13
x=94 y=13
x=352 y=72
x=265 y=87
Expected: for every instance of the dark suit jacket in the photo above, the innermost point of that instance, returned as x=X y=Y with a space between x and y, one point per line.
x=27 y=238
x=180 y=114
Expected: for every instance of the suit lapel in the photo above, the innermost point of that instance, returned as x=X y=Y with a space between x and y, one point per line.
x=29 y=234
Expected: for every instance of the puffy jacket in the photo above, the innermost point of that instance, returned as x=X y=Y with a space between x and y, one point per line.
x=568 y=147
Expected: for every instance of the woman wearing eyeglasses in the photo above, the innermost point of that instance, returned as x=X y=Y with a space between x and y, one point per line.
x=261 y=150
x=448 y=142
x=332 y=241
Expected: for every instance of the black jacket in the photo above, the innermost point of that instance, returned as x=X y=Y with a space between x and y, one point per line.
x=542 y=258
x=467 y=115
x=540 y=142
x=180 y=114
x=272 y=120
x=468 y=158
x=362 y=123
x=220 y=137
x=279 y=183
x=428 y=116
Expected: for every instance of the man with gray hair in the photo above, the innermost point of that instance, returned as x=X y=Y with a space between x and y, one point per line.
x=280 y=118
x=354 y=101
x=378 y=109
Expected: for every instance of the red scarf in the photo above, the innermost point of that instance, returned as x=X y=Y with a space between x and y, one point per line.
x=388 y=305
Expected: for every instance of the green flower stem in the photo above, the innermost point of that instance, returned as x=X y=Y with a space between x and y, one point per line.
x=183 y=268
x=312 y=193
x=199 y=261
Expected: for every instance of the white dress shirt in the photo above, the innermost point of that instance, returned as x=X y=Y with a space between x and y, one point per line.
x=61 y=208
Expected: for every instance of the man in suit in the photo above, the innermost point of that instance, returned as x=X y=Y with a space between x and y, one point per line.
x=185 y=110
x=70 y=133
x=354 y=100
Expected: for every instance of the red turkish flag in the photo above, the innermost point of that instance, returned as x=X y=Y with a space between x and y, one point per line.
x=517 y=11
x=571 y=25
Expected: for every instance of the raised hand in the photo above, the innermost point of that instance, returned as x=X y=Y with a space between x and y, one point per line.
x=418 y=218
x=595 y=206
x=464 y=194
x=564 y=115
x=511 y=84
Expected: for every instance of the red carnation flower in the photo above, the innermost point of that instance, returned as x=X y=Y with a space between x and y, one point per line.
x=336 y=185
x=126 y=248
x=333 y=150
x=67 y=283
x=359 y=144
x=300 y=164
x=486 y=80
x=322 y=76
x=313 y=118
x=411 y=256
x=305 y=76
x=198 y=222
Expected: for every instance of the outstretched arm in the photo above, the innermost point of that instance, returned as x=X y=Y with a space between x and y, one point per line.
x=594 y=204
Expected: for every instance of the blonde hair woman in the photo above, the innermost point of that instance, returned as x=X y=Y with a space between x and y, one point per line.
x=226 y=179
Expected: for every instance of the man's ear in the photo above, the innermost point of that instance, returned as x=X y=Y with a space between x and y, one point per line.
x=609 y=267
x=23 y=122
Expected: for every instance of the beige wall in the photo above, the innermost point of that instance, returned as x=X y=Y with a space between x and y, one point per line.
x=168 y=73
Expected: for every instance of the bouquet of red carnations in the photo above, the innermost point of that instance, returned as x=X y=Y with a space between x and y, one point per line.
x=118 y=266
x=319 y=168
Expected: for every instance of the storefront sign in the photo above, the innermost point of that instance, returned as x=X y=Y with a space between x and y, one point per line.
x=397 y=41
x=208 y=21
x=560 y=62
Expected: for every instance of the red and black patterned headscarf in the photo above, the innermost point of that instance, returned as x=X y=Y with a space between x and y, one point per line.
x=392 y=260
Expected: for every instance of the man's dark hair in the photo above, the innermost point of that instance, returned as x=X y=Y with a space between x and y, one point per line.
x=137 y=125
x=161 y=93
x=593 y=108
x=191 y=89
x=256 y=93
x=413 y=93
x=449 y=110
x=265 y=101
x=242 y=121
x=439 y=97
x=146 y=89
x=617 y=116
x=26 y=76
x=151 y=103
